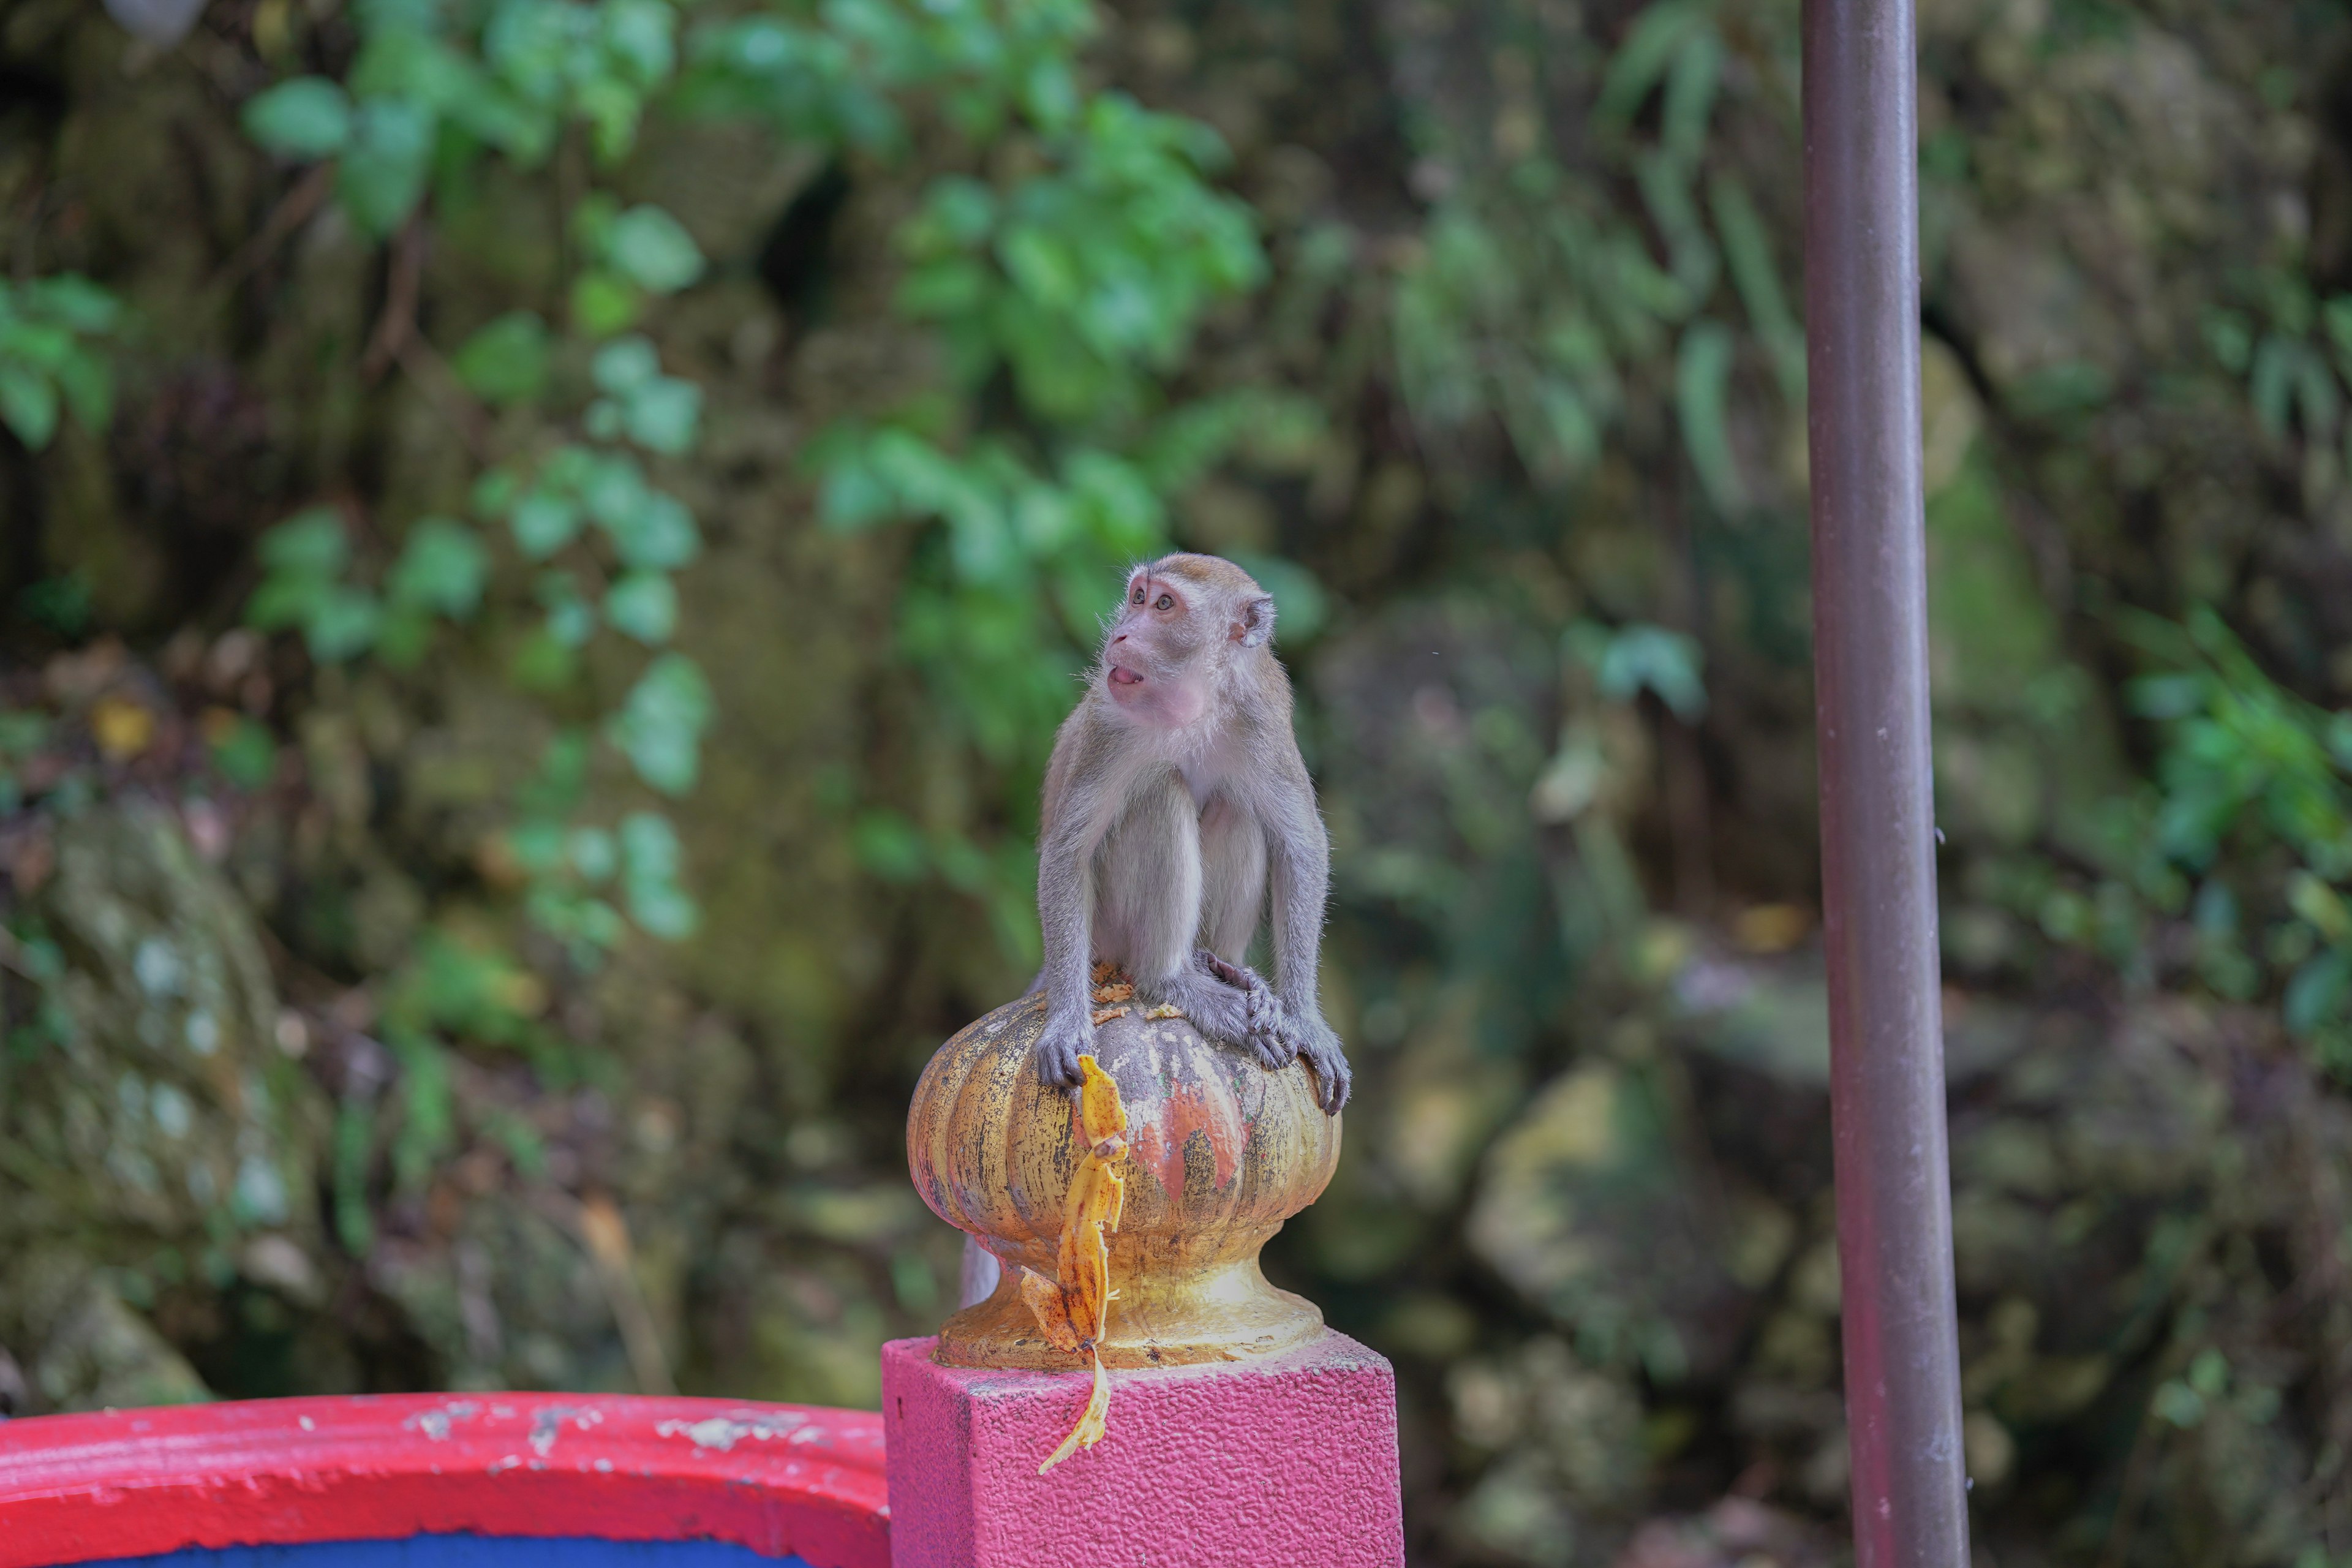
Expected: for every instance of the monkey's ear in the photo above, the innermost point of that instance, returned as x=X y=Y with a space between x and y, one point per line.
x=1256 y=628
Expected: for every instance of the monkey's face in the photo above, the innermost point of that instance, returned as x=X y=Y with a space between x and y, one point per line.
x=1156 y=661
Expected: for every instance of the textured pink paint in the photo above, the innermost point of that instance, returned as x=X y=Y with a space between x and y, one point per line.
x=1287 y=1462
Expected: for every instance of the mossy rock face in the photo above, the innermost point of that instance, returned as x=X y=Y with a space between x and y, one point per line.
x=85 y=1348
x=159 y=1112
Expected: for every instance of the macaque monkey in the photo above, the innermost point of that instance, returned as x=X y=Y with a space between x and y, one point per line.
x=1176 y=803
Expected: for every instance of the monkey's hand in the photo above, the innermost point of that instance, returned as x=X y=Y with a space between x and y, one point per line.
x=1261 y=1017
x=1067 y=1036
x=1319 y=1049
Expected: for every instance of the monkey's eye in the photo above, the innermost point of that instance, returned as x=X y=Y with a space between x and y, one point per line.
x=1165 y=602
x=1136 y=597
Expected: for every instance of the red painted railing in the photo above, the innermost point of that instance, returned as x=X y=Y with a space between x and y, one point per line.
x=778 y=1478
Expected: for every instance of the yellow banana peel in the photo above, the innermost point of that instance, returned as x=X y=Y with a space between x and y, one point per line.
x=1074 y=1308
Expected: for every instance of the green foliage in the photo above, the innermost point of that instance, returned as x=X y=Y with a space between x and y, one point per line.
x=1629 y=660
x=1083 y=275
x=659 y=727
x=245 y=751
x=641 y=404
x=307 y=560
x=1550 y=328
x=649 y=866
x=1088 y=277
x=434 y=88
x=836 y=73
x=643 y=252
x=54 y=335
x=1085 y=280
x=505 y=361
x=308 y=117
x=2254 y=809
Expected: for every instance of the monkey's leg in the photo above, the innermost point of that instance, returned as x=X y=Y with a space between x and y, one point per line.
x=1151 y=867
x=1232 y=877
x=1233 y=894
x=1148 y=874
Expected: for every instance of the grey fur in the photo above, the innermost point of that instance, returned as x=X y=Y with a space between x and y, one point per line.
x=1162 y=843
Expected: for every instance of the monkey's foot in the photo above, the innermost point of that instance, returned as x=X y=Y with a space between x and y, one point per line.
x=1315 y=1043
x=1263 y=1016
x=1066 y=1039
x=1219 y=1011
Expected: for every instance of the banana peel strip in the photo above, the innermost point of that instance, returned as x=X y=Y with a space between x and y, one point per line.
x=1074 y=1308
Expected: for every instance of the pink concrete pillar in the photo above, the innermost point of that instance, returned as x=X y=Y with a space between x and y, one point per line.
x=1285 y=1462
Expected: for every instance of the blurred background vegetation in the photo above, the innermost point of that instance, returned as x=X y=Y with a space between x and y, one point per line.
x=541 y=543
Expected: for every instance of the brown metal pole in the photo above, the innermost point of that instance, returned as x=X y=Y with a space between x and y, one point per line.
x=1879 y=867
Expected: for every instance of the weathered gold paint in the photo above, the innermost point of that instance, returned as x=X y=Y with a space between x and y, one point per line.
x=1221 y=1150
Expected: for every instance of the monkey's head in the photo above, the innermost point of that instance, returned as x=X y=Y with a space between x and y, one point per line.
x=1186 y=621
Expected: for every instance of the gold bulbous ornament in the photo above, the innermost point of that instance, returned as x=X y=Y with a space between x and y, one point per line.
x=1221 y=1151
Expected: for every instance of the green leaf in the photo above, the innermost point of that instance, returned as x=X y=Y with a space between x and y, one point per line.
x=603 y=302
x=639 y=32
x=308 y=117
x=1701 y=379
x=1690 y=96
x=627 y=363
x=542 y=663
x=77 y=302
x=889 y=846
x=506 y=363
x=543 y=524
x=442 y=569
x=1639 y=657
x=383 y=173
x=2320 y=992
x=1041 y=265
x=662 y=416
x=285 y=599
x=310 y=543
x=571 y=619
x=409 y=64
x=61 y=603
x=643 y=605
x=404 y=633
x=39 y=345
x=659 y=727
x=652 y=249
x=650 y=859
x=343 y=624
x=1651 y=45
x=592 y=853
x=244 y=753
x=655 y=534
x=29 y=403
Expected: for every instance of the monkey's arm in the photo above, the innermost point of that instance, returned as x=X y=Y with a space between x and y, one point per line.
x=1065 y=912
x=1298 y=867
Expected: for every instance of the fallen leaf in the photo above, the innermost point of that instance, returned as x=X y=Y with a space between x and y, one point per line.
x=122 y=728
